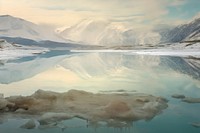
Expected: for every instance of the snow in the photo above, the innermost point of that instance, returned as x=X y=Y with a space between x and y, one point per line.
x=19 y=52
x=99 y=32
x=174 y=49
x=106 y=33
x=167 y=52
x=8 y=51
x=185 y=32
x=4 y=44
x=87 y=31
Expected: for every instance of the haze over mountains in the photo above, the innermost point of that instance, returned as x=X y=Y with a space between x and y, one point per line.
x=99 y=32
x=102 y=32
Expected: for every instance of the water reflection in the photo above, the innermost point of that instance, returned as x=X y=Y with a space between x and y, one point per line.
x=96 y=72
x=61 y=71
x=27 y=67
x=187 y=65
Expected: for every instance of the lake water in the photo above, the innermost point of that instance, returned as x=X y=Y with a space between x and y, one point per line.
x=61 y=71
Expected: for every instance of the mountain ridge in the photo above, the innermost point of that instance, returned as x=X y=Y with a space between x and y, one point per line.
x=184 y=32
x=100 y=32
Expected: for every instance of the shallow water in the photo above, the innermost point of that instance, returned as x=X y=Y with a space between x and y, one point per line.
x=61 y=71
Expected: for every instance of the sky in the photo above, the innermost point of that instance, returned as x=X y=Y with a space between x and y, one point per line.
x=60 y=13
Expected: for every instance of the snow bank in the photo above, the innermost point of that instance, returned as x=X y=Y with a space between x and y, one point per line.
x=8 y=51
x=163 y=52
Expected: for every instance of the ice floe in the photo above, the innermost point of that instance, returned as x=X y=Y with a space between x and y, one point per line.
x=52 y=107
x=186 y=99
x=196 y=124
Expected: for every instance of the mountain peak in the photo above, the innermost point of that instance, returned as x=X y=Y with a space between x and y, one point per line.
x=6 y=16
x=12 y=18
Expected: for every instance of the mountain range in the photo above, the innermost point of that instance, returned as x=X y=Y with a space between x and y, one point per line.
x=98 y=32
x=185 y=32
x=105 y=33
x=16 y=27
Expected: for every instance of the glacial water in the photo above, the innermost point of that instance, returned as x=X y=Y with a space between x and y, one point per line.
x=106 y=73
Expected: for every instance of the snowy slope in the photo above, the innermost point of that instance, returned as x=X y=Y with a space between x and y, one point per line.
x=102 y=32
x=87 y=31
x=184 y=32
x=141 y=37
x=16 y=27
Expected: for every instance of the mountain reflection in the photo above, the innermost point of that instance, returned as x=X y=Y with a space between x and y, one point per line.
x=96 y=64
x=186 y=65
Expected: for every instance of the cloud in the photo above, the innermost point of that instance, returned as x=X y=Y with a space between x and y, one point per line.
x=53 y=8
x=150 y=9
x=134 y=11
x=178 y=2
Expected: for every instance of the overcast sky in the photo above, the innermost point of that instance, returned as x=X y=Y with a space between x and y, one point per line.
x=134 y=12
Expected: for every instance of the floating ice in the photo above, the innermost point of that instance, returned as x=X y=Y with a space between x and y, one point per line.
x=186 y=99
x=196 y=124
x=52 y=107
x=178 y=96
x=29 y=125
x=191 y=100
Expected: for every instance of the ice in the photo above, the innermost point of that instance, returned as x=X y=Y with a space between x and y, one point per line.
x=52 y=107
x=29 y=125
x=191 y=100
x=178 y=96
x=186 y=99
x=196 y=124
x=50 y=117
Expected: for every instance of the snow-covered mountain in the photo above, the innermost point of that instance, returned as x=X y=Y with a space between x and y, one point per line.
x=106 y=33
x=17 y=27
x=86 y=31
x=102 y=32
x=185 y=32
